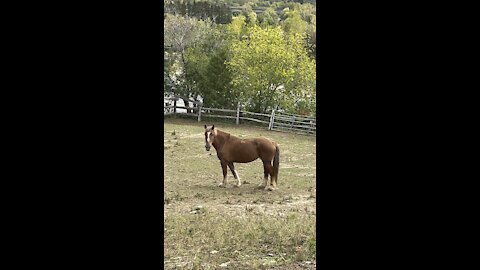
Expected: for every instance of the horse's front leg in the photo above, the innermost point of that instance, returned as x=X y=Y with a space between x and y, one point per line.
x=224 y=170
x=235 y=174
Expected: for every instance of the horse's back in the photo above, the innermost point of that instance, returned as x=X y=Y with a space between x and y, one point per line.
x=259 y=147
x=247 y=150
x=261 y=143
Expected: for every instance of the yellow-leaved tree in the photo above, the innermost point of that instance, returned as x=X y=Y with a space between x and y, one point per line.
x=270 y=68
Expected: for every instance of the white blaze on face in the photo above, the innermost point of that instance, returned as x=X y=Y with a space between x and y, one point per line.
x=208 y=137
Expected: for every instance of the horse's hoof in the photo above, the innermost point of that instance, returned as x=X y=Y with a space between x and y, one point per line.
x=221 y=185
x=269 y=188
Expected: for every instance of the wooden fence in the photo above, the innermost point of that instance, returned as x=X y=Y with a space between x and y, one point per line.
x=276 y=120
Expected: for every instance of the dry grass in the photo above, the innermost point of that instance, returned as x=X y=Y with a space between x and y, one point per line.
x=207 y=227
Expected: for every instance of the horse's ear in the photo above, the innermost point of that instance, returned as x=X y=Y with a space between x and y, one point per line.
x=213 y=126
x=205 y=126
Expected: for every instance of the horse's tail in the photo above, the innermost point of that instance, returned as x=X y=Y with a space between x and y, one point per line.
x=276 y=162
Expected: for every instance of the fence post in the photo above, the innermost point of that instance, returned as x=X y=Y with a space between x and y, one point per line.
x=238 y=113
x=174 y=107
x=272 y=117
x=199 y=113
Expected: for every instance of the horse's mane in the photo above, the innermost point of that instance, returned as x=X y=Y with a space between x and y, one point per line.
x=221 y=138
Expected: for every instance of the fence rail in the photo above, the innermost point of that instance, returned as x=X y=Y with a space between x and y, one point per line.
x=218 y=110
x=276 y=120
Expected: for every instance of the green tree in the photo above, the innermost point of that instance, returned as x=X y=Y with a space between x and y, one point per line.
x=167 y=81
x=294 y=24
x=209 y=76
x=304 y=79
x=269 y=17
x=212 y=78
x=269 y=69
x=252 y=18
x=312 y=37
x=237 y=27
x=180 y=33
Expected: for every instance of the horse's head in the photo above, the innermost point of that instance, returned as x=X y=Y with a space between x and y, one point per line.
x=209 y=136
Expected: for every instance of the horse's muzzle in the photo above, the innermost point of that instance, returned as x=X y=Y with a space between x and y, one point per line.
x=207 y=147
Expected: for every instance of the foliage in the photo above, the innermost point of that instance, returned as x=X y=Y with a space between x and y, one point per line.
x=269 y=17
x=181 y=33
x=263 y=58
x=216 y=11
x=237 y=27
x=269 y=69
x=294 y=24
x=209 y=76
x=167 y=81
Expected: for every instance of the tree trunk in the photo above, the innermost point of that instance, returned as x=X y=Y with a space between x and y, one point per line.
x=186 y=80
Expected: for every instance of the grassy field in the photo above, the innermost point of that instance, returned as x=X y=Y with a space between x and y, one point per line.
x=209 y=227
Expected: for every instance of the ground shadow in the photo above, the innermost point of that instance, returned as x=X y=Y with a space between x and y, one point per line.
x=249 y=188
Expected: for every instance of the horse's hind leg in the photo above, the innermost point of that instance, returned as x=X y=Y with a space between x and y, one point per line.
x=235 y=174
x=273 y=178
x=273 y=182
x=267 y=170
x=265 y=179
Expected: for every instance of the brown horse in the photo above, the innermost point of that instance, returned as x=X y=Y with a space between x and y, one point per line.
x=232 y=149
